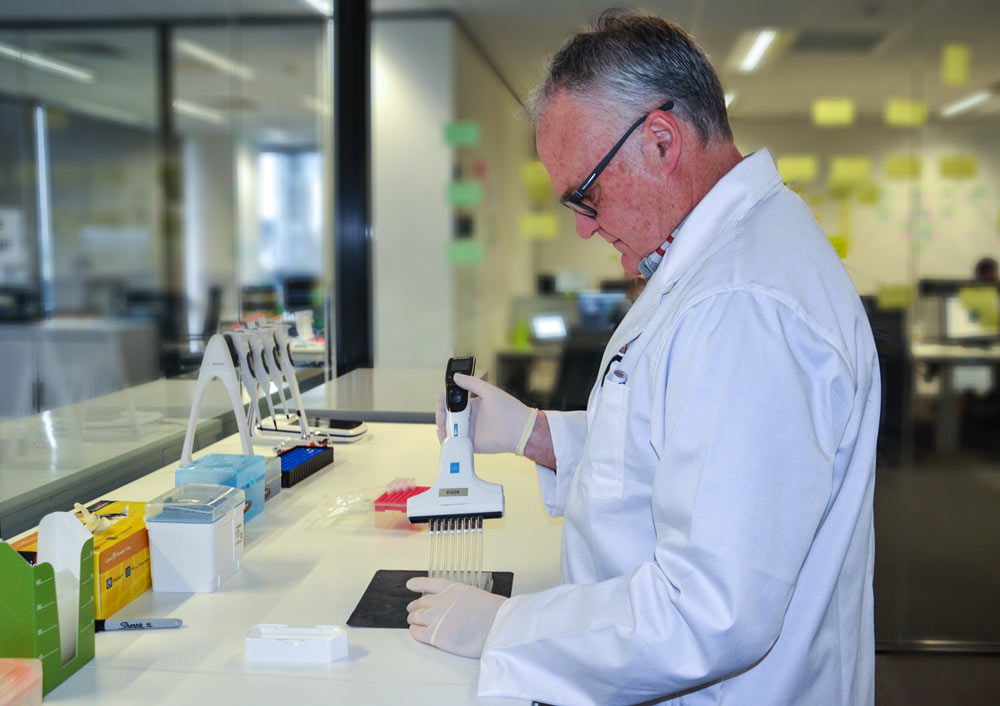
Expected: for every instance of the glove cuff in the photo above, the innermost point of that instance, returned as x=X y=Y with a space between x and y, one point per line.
x=529 y=426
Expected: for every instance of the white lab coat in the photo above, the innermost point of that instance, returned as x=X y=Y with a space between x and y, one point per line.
x=718 y=541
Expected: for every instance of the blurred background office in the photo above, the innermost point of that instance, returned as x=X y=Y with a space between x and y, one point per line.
x=170 y=169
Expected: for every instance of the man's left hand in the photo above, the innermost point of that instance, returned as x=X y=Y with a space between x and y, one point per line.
x=451 y=616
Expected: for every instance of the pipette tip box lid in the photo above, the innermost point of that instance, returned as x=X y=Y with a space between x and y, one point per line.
x=20 y=682
x=248 y=473
x=195 y=537
x=279 y=643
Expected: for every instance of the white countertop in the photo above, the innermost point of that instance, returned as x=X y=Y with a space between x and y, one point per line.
x=302 y=569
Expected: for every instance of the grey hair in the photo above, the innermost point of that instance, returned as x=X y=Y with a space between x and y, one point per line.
x=631 y=61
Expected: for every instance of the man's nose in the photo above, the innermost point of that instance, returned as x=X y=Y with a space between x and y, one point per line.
x=585 y=226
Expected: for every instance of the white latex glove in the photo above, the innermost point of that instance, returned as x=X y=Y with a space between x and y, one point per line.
x=497 y=421
x=454 y=617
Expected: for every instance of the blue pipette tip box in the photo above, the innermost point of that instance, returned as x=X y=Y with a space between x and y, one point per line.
x=300 y=462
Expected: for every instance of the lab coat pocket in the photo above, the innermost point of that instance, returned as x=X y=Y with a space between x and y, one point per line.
x=604 y=473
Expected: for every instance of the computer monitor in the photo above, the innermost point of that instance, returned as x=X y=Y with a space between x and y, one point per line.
x=973 y=314
x=547 y=328
x=598 y=310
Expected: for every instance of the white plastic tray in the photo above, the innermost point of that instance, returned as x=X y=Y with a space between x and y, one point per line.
x=280 y=643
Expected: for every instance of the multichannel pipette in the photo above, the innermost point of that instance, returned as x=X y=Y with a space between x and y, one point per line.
x=456 y=505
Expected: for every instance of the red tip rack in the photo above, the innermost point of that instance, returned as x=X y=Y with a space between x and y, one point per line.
x=396 y=502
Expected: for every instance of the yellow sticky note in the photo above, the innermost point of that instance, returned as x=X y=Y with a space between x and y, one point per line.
x=841 y=244
x=536 y=181
x=894 y=296
x=903 y=166
x=959 y=166
x=798 y=168
x=833 y=112
x=955 y=62
x=869 y=193
x=982 y=304
x=850 y=170
x=903 y=112
x=539 y=225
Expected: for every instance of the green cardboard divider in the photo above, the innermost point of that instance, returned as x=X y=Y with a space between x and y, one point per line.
x=30 y=619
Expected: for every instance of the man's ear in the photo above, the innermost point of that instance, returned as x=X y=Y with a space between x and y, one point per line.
x=663 y=140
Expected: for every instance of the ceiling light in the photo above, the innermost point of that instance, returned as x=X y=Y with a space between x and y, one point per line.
x=730 y=97
x=321 y=6
x=199 y=111
x=44 y=63
x=757 y=49
x=964 y=104
x=211 y=58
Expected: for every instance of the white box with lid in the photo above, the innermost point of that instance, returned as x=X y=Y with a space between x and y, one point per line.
x=195 y=537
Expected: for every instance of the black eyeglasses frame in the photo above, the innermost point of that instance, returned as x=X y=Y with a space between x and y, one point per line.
x=575 y=200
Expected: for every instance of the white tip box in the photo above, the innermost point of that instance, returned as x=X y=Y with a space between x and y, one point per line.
x=195 y=537
x=280 y=643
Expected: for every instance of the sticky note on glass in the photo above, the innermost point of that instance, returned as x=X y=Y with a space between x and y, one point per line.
x=464 y=252
x=955 y=62
x=536 y=181
x=462 y=134
x=904 y=112
x=841 y=244
x=798 y=168
x=869 y=193
x=850 y=170
x=467 y=193
x=959 y=166
x=895 y=296
x=542 y=225
x=833 y=112
x=982 y=305
x=903 y=166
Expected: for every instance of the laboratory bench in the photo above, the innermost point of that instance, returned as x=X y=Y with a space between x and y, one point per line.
x=303 y=568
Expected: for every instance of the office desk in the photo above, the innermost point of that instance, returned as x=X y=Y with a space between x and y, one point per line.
x=301 y=569
x=377 y=395
x=948 y=356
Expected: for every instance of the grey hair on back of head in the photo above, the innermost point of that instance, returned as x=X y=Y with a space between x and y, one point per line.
x=630 y=62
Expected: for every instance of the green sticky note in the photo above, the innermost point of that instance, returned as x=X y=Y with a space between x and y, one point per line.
x=467 y=193
x=902 y=166
x=465 y=252
x=462 y=134
x=850 y=170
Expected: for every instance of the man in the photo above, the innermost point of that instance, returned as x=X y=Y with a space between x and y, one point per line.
x=718 y=541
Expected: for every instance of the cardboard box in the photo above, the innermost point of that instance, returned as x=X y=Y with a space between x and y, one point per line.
x=30 y=618
x=121 y=556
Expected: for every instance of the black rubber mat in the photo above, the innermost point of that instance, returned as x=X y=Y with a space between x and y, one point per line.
x=384 y=602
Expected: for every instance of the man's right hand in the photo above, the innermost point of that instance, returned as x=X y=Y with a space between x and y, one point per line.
x=497 y=420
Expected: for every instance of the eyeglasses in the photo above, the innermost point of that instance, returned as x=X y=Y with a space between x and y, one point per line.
x=575 y=200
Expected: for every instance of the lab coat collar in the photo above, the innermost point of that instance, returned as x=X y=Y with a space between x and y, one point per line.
x=729 y=200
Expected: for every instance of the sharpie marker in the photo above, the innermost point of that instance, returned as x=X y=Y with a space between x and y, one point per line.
x=138 y=624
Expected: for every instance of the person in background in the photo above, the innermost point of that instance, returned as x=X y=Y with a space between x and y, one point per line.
x=986 y=270
x=718 y=543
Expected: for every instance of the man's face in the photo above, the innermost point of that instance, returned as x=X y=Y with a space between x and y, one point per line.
x=571 y=141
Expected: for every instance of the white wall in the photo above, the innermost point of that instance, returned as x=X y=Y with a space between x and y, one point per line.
x=485 y=291
x=412 y=99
